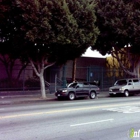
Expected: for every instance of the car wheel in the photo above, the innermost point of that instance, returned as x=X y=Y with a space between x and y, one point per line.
x=92 y=95
x=59 y=98
x=111 y=95
x=71 y=96
x=126 y=93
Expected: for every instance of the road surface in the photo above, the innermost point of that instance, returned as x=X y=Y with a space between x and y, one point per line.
x=84 y=119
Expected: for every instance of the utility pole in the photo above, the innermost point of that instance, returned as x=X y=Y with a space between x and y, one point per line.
x=64 y=82
x=74 y=70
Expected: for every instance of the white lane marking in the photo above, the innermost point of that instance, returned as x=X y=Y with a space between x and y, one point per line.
x=125 y=109
x=2 y=109
x=91 y=122
x=76 y=103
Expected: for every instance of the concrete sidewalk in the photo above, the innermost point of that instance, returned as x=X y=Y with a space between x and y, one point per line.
x=33 y=98
x=21 y=99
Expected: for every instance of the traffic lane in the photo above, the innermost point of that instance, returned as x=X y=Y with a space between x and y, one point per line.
x=48 y=126
x=122 y=132
x=129 y=110
x=39 y=111
x=67 y=124
x=52 y=131
x=66 y=104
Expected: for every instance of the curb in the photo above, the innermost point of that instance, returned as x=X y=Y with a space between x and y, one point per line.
x=33 y=98
x=20 y=102
x=20 y=99
x=23 y=101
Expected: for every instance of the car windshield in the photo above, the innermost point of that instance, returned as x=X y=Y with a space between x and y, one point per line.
x=121 y=82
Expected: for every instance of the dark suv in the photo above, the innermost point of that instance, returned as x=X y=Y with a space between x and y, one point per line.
x=75 y=90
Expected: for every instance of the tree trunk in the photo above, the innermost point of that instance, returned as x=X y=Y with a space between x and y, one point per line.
x=39 y=71
x=42 y=86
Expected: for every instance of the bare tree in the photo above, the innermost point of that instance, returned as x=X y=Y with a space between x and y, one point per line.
x=128 y=62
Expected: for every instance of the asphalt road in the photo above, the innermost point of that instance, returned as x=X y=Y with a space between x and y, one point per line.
x=99 y=119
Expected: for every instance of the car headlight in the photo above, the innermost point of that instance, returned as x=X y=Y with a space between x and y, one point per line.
x=110 y=89
x=121 y=88
x=65 y=90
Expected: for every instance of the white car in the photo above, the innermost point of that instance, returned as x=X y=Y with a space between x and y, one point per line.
x=125 y=87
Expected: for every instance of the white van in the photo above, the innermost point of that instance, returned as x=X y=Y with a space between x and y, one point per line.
x=126 y=87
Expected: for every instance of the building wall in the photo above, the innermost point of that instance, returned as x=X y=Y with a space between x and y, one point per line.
x=83 y=65
x=26 y=73
x=82 y=73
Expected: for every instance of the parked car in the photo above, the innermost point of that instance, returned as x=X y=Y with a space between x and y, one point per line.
x=125 y=87
x=75 y=90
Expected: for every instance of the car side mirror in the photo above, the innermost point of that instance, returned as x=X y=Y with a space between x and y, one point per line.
x=77 y=86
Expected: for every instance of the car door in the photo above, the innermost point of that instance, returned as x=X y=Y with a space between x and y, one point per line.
x=79 y=90
x=136 y=83
x=130 y=86
x=86 y=89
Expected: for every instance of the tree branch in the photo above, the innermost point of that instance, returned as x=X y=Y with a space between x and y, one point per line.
x=49 y=65
x=126 y=60
x=34 y=68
